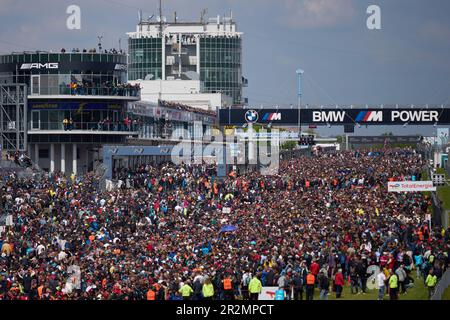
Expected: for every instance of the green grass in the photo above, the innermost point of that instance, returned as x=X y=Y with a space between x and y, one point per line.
x=425 y=175
x=441 y=171
x=446 y=295
x=418 y=292
x=444 y=194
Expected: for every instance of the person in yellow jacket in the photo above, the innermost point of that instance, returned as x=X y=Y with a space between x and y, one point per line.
x=431 y=282
x=255 y=288
x=393 y=286
x=186 y=291
x=208 y=290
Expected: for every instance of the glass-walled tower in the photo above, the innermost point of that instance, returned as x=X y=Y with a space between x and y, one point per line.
x=209 y=52
x=145 y=58
x=220 y=65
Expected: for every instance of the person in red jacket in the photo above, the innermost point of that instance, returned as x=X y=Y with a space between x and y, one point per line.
x=338 y=283
x=315 y=268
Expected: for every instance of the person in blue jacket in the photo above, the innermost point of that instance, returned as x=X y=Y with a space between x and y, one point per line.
x=280 y=294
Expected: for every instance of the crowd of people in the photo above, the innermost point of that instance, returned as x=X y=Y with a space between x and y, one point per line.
x=178 y=232
x=183 y=107
x=19 y=158
x=104 y=88
x=107 y=124
x=94 y=50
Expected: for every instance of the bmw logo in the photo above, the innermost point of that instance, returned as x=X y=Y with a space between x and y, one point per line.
x=251 y=116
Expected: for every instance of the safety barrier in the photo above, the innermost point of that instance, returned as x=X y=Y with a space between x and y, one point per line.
x=441 y=286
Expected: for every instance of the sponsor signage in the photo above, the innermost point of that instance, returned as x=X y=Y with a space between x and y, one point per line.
x=410 y=186
x=120 y=66
x=336 y=116
x=70 y=105
x=67 y=66
x=48 y=65
x=383 y=139
x=268 y=135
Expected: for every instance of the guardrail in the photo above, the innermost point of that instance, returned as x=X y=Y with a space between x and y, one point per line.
x=88 y=91
x=90 y=126
x=441 y=286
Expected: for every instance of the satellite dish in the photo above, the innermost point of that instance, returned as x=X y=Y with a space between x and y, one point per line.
x=149 y=77
x=192 y=75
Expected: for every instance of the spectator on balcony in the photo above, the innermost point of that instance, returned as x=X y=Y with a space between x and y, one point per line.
x=66 y=124
x=127 y=123
x=73 y=87
x=100 y=125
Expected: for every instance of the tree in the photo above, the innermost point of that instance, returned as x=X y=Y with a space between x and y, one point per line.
x=289 y=145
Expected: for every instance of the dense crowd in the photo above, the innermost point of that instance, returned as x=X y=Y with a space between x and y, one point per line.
x=94 y=50
x=178 y=232
x=19 y=158
x=183 y=107
x=104 y=88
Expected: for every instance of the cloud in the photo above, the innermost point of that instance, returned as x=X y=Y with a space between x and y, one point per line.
x=318 y=13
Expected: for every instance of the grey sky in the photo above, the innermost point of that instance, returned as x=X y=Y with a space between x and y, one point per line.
x=407 y=62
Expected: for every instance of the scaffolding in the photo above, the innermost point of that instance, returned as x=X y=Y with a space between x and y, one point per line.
x=13 y=117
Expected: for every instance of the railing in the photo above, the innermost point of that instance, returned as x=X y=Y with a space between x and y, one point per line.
x=441 y=286
x=87 y=91
x=89 y=126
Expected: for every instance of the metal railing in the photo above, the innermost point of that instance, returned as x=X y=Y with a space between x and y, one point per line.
x=441 y=286
x=87 y=91
x=89 y=126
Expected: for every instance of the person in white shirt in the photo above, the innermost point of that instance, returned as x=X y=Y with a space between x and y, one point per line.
x=381 y=278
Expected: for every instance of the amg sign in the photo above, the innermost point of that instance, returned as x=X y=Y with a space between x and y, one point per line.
x=49 y=65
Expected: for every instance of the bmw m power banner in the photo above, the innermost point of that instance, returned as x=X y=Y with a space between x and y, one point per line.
x=401 y=116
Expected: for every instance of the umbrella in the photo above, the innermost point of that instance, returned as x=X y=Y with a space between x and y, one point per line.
x=228 y=228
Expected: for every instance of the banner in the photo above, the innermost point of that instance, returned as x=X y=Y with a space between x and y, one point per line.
x=290 y=117
x=410 y=186
x=383 y=139
x=267 y=293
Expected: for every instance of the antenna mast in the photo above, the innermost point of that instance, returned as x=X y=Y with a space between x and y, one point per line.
x=160 y=18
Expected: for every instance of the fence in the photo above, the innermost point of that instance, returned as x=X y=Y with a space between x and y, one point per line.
x=443 y=284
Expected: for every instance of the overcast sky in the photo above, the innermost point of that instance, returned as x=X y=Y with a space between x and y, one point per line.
x=406 y=62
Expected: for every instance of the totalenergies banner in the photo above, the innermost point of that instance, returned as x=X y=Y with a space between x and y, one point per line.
x=410 y=186
x=420 y=116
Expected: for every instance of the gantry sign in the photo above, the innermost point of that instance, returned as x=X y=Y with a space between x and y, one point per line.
x=290 y=117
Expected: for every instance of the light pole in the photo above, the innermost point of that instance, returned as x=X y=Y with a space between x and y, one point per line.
x=299 y=73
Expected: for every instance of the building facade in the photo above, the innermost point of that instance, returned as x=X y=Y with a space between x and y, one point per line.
x=207 y=52
x=61 y=108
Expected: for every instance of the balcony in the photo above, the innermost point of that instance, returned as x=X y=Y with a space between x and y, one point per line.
x=120 y=93
x=95 y=128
